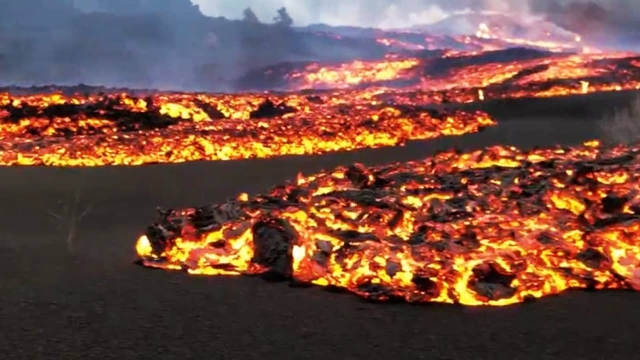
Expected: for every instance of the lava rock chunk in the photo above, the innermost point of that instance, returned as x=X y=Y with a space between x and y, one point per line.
x=273 y=240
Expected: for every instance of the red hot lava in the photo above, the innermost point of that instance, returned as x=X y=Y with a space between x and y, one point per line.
x=122 y=129
x=491 y=227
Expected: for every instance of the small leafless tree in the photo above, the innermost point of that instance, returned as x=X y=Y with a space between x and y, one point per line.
x=68 y=217
x=282 y=18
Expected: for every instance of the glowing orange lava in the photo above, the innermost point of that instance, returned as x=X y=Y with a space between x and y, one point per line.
x=124 y=129
x=121 y=129
x=491 y=227
x=542 y=76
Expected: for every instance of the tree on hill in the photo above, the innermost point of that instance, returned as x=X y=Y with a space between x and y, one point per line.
x=282 y=18
x=249 y=16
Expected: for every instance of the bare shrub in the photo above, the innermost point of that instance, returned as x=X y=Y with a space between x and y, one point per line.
x=623 y=125
x=68 y=216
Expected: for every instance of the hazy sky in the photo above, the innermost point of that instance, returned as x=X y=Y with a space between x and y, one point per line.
x=379 y=13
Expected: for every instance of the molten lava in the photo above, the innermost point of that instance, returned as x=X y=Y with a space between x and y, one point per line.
x=91 y=130
x=491 y=227
x=382 y=103
x=120 y=129
x=531 y=74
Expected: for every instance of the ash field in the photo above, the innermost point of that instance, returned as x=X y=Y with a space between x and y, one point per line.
x=473 y=196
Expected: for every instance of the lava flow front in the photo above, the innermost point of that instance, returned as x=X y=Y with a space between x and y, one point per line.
x=491 y=227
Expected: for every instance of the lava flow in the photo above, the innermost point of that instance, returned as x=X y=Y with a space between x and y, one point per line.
x=491 y=227
x=120 y=129
x=511 y=73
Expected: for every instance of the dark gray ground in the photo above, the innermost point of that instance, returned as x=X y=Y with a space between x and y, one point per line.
x=98 y=305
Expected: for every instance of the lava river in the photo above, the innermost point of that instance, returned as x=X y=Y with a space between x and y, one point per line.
x=510 y=73
x=360 y=110
x=121 y=129
x=492 y=227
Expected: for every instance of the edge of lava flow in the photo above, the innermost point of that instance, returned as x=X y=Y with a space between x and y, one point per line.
x=492 y=227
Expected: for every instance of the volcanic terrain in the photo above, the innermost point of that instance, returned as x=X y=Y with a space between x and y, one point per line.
x=480 y=175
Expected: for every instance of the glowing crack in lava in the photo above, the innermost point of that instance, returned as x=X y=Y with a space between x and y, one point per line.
x=492 y=227
x=120 y=129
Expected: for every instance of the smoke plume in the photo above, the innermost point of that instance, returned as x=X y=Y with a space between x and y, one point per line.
x=394 y=13
x=365 y=13
x=182 y=45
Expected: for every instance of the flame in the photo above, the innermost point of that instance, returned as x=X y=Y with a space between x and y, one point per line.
x=484 y=32
x=491 y=227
